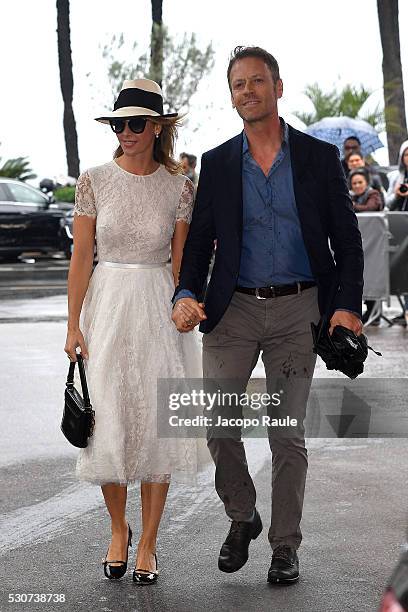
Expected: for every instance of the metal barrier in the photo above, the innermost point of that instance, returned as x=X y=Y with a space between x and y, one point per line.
x=385 y=244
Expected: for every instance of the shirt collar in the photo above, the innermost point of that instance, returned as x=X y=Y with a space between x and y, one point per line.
x=245 y=146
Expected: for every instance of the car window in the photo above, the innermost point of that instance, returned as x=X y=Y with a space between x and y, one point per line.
x=22 y=193
x=4 y=195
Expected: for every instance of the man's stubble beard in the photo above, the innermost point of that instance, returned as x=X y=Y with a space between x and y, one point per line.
x=255 y=119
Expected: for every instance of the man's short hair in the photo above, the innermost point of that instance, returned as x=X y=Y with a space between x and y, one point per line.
x=352 y=138
x=240 y=53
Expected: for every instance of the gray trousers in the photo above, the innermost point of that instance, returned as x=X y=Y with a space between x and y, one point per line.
x=279 y=329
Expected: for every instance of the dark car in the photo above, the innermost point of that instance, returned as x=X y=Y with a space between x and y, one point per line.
x=68 y=229
x=30 y=221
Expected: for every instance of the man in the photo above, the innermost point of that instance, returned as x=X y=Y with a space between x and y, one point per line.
x=185 y=164
x=272 y=197
x=188 y=164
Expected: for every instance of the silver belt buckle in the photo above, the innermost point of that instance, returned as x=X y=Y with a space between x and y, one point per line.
x=258 y=297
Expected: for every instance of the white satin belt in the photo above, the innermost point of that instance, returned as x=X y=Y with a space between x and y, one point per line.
x=114 y=264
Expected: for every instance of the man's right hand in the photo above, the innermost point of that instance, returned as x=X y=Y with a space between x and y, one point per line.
x=187 y=313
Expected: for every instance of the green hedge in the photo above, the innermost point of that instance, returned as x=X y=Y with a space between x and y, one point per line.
x=65 y=194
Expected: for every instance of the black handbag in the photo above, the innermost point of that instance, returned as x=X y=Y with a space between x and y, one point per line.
x=78 y=417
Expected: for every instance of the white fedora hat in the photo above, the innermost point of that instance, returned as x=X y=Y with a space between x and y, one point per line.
x=137 y=97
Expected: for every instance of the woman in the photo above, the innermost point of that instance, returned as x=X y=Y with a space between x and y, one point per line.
x=356 y=160
x=364 y=197
x=137 y=206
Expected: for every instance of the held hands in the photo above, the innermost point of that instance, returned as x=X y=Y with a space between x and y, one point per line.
x=75 y=339
x=346 y=319
x=187 y=313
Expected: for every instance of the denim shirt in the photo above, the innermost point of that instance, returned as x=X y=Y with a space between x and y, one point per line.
x=273 y=250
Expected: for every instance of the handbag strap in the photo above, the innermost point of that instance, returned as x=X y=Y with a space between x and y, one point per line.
x=70 y=378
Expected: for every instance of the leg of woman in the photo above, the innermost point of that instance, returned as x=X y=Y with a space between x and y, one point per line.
x=115 y=498
x=153 y=495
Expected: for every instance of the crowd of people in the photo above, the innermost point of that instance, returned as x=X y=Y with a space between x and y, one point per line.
x=367 y=190
x=368 y=194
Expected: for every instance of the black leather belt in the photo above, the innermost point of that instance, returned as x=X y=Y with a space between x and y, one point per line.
x=263 y=293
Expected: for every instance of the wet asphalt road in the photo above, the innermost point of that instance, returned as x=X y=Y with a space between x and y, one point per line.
x=33 y=276
x=54 y=530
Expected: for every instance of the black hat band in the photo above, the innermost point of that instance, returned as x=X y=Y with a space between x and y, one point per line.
x=139 y=97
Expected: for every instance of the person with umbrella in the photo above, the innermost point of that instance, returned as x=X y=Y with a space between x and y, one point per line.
x=347 y=134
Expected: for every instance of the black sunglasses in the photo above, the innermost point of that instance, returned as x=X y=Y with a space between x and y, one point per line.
x=136 y=125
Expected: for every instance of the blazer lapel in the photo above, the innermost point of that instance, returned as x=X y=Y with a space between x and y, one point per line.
x=233 y=183
x=299 y=154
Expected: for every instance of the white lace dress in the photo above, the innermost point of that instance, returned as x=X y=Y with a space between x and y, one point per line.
x=126 y=322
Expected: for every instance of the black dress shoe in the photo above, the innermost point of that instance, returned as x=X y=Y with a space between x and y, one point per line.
x=114 y=572
x=234 y=551
x=285 y=566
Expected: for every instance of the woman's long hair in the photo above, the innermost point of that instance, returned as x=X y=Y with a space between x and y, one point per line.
x=163 y=151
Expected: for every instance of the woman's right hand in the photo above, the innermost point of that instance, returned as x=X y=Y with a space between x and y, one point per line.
x=74 y=340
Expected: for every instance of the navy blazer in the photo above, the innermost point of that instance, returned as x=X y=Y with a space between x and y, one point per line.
x=325 y=213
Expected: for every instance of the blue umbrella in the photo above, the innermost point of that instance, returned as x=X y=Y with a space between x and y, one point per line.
x=336 y=129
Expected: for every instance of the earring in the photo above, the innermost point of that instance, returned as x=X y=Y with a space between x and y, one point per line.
x=157 y=134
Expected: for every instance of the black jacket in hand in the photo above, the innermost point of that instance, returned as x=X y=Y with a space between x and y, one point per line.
x=325 y=212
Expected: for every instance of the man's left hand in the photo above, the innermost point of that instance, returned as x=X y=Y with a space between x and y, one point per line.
x=346 y=319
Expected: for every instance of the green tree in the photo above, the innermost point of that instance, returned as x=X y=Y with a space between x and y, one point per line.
x=18 y=168
x=346 y=102
x=65 y=194
x=395 y=118
x=184 y=65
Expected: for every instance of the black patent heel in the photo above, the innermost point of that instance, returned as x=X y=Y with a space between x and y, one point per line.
x=141 y=576
x=113 y=572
